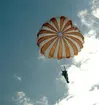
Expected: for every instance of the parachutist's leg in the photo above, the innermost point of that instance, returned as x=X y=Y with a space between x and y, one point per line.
x=67 y=79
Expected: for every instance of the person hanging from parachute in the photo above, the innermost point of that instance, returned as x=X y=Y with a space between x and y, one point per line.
x=65 y=74
x=59 y=39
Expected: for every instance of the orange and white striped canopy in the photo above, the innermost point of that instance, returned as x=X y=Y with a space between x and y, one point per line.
x=59 y=38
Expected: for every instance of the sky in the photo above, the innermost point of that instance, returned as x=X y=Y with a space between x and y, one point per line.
x=26 y=77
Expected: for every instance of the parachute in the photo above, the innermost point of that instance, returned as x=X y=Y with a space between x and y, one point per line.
x=59 y=38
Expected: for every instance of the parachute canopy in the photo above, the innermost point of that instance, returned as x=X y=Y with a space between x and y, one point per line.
x=59 y=38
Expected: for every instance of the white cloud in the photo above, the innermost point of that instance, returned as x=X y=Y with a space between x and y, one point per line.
x=95 y=12
x=86 y=18
x=95 y=8
x=42 y=101
x=83 y=13
x=17 y=77
x=21 y=99
x=89 y=98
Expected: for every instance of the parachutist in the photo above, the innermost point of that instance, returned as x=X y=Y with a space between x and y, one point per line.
x=65 y=74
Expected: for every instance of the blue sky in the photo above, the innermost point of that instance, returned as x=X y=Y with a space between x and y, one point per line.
x=20 y=20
